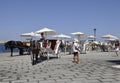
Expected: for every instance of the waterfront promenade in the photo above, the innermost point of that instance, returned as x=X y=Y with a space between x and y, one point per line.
x=95 y=67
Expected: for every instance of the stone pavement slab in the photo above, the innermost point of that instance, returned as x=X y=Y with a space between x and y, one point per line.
x=95 y=67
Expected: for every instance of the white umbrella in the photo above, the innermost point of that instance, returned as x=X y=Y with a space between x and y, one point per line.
x=46 y=31
x=91 y=37
x=31 y=34
x=110 y=37
x=79 y=34
x=61 y=36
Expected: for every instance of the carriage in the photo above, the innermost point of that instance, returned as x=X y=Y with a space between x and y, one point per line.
x=49 y=48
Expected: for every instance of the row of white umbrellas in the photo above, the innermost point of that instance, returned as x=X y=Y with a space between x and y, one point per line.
x=37 y=33
x=47 y=31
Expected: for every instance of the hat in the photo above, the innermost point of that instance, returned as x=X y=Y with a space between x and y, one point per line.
x=75 y=40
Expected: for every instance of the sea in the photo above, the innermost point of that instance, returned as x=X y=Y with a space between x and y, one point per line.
x=3 y=50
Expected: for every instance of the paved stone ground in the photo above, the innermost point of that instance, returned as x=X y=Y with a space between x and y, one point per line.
x=95 y=67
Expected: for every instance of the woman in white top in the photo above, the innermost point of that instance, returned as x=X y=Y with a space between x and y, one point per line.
x=76 y=51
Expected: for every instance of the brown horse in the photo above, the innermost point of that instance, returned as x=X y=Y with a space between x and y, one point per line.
x=16 y=44
x=35 y=49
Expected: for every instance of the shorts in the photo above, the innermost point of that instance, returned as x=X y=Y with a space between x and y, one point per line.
x=75 y=53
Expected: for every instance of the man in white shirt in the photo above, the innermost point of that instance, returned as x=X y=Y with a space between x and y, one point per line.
x=76 y=51
x=42 y=39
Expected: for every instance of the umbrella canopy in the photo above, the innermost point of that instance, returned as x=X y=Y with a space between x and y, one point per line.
x=31 y=34
x=61 y=36
x=91 y=37
x=79 y=34
x=46 y=31
x=110 y=37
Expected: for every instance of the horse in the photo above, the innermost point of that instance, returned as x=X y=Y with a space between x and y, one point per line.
x=35 y=50
x=16 y=44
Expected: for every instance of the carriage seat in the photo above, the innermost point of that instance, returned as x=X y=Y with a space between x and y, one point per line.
x=52 y=45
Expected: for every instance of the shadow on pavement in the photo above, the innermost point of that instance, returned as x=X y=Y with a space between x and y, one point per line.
x=117 y=62
x=42 y=59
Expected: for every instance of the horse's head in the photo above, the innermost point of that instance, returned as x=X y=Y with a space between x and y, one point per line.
x=7 y=44
x=34 y=44
x=10 y=44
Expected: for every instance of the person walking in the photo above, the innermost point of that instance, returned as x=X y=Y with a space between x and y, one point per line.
x=76 y=51
x=117 y=47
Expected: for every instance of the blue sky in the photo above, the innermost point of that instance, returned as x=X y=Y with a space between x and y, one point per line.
x=64 y=16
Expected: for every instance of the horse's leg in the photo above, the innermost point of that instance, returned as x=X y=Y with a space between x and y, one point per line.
x=11 y=51
x=33 y=59
x=28 y=49
x=20 y=51
x=36 y=57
